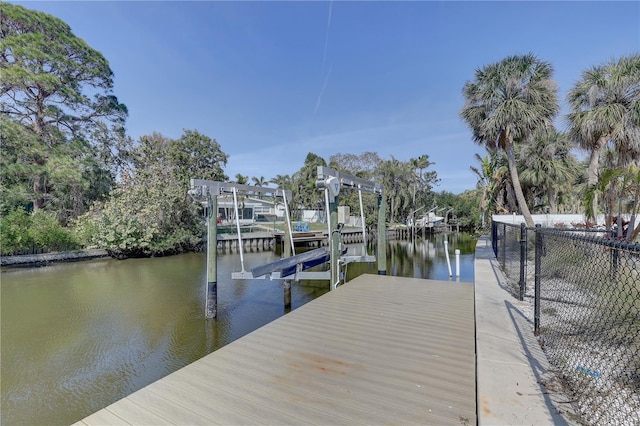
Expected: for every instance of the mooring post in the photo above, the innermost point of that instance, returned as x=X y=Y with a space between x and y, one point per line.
x=286 y=285
x=286 y=243
x=211 y=307
x=382 y=235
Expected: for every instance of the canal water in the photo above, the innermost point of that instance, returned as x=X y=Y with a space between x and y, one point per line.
x=76 y=337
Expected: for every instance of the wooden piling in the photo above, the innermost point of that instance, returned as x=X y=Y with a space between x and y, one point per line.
x=211 y=307
x=286 y=285
x=382 y=235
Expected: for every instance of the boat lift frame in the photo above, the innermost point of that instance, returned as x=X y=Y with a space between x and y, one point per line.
x=332 y=182
x=206 y=192
x=291 y=267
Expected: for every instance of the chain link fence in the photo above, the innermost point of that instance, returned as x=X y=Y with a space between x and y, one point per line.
x=583 y=289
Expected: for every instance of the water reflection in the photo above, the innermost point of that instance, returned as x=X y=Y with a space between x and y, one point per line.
x=79 y=336
x=424 y=258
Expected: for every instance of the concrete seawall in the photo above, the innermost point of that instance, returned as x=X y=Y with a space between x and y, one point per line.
x=46 y=258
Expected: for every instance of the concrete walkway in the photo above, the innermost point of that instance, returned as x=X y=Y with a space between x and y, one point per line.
x=514 y=386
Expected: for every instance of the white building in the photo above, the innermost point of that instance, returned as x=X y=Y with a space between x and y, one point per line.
x=250 y=210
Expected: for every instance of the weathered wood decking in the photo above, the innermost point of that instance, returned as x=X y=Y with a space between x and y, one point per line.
x=379 y=350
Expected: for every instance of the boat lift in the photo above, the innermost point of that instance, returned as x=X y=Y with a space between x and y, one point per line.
x=292 y=267
x=206 y=192
x=332 y=182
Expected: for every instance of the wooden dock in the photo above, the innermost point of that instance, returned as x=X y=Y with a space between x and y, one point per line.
x=378 y=350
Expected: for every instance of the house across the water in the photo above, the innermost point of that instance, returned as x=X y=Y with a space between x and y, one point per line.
x=250 y=211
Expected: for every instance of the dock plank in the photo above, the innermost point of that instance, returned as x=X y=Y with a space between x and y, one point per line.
x=378 y=350
x=103 y=417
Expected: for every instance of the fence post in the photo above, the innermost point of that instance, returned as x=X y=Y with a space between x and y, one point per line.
x=494 y=237
x=523 y=260
x=504 y=244
x=615 y=255
x=538 y=261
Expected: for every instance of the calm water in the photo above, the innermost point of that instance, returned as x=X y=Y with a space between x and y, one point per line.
x=76 y=337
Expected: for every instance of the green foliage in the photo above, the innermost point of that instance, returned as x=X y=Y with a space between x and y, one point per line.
x=395 y=178
x=259 y=181
x=364 y=167
x=14 y=232
x=150 y=213
x=59 y=117
x=622 y=184
x=242 y=179
x=305 y=192
x=141 y=219
x=605 y=115
x=406 y=185
x=463 y=209
x=195 y=153
x=548 y=167
x=19 y=151
x=507 y=103
x=24 y=233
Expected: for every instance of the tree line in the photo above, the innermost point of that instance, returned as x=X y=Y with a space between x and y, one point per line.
x=511 y=108
x=70 y=173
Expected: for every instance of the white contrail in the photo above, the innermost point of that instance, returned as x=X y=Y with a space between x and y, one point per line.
x=324 y=59
x=326 y=38
x=324 y=86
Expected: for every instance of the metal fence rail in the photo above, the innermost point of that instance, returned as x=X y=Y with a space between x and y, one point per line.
x=585 y=292
x=506 y=241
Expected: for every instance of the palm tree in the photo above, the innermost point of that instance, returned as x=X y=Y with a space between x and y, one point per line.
x=396 y=178
x=495 y=182
x=622 y=184
x=241 y=179
x=605 y=106
x=261 y=181
x=485 y=183
x=506 y=103
x=548 y=165
x=419 y=163
x=282 y=182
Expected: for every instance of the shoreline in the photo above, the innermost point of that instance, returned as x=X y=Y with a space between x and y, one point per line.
x=28 y=260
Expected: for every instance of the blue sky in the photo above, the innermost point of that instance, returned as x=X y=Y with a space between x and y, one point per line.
x=272 y=81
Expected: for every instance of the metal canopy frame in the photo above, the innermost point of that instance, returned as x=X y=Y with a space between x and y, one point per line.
x=205 y=188
x=347 y=181
x=331 y=181
x=292 y=268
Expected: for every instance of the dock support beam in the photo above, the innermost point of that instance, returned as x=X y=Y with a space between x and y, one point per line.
x=211 y=306
x=382 y=235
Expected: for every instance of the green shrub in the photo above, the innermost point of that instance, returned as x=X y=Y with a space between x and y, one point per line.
x=48 y=235
x=22 y=233
x=14 y=232
x=141 y=221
